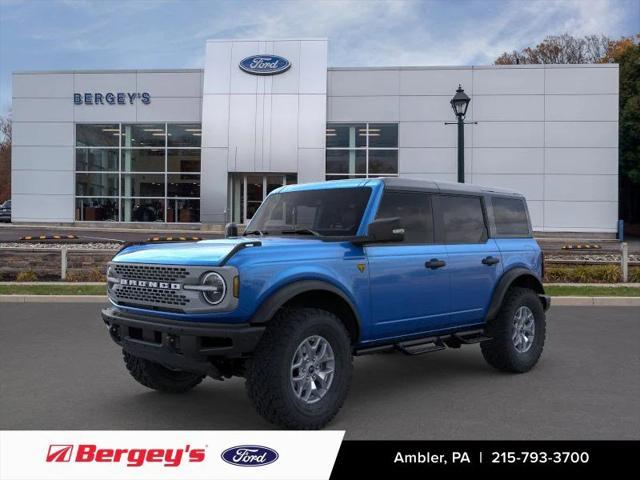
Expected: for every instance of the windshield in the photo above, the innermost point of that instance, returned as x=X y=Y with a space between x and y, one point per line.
x=325 y=212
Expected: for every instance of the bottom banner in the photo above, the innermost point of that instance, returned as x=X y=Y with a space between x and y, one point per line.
x=412 y=459
x=239 y=455
x=151 y=455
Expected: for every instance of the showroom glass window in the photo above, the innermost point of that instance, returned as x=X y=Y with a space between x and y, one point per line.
x=138 y=172
x=361 y=150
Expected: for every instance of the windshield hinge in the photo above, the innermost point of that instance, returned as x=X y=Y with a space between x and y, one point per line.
x=237 y=248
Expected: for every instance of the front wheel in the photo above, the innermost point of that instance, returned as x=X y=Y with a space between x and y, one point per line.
x=158 y=377
x=301 y=370
x=518 y=332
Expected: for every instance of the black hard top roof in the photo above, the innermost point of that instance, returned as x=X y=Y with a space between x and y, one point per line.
x=444 y=187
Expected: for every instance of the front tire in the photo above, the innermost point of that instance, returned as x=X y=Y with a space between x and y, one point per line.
x=301 y=370
x=158 y=377
x=517 y=333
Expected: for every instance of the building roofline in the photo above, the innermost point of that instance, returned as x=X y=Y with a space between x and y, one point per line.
x=93 y=71
x=479 y=67
x=330 y=69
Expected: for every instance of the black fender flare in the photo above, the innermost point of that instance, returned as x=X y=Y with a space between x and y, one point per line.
x=276 y=300
x=507 y=279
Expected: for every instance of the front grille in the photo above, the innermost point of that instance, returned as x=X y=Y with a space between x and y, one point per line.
x=165 y=287
x=154 y=273
x=157 y=296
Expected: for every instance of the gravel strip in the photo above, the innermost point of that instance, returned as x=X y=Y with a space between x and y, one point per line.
x=592 y=257
x=70 y=246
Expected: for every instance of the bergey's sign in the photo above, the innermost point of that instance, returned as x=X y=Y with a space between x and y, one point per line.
x=110 y=98
x=265 y=64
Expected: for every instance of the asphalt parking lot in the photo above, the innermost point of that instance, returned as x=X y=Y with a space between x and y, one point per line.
x=60 y=370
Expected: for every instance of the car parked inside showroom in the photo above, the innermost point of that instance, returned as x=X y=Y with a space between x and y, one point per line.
x=5 y=211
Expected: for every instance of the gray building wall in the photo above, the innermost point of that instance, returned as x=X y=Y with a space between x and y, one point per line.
x=549 y=131
x=44 y=115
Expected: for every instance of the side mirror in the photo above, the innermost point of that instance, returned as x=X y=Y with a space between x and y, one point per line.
x=385 y=230
x=230 y=230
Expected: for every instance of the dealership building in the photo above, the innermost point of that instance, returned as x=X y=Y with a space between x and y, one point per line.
x=207 y=145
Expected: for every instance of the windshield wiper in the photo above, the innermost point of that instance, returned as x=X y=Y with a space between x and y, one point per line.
x=300 y=231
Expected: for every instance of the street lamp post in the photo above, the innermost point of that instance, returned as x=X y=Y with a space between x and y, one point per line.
x=459 y=104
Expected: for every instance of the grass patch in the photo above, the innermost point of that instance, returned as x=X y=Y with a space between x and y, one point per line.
x=561 y=291
x=53 y=290
x=571 y=291
x=588 y=273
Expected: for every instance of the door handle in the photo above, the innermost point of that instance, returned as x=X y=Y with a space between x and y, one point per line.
x=490 y=260
x=435 y=263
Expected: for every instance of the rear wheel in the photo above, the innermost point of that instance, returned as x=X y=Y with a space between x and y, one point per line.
x=517 y=333
x=301 y=370
x=158 y=377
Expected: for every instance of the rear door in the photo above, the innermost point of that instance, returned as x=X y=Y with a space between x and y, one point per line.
x=474 y=260
x=407 y=296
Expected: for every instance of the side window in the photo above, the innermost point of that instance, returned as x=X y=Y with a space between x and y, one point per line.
x=463 y=219
x=510 y=216
x=414 y=211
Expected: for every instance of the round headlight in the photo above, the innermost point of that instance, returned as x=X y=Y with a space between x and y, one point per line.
x=215 y=288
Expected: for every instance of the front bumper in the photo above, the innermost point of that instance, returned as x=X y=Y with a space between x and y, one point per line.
x=185 y=345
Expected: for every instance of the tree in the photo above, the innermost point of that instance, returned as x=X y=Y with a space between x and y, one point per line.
x=626 y=53
x=560 y=49
x=5 y=158
x=600 y=49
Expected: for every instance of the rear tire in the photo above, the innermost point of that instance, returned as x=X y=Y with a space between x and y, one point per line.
x=271 y=377
x=517 y=333
x=157 y=377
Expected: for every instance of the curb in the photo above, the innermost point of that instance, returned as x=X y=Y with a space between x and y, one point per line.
x=53 y=298
x=595 y=301
x=55 y=284
x=555 y=301
x=597 y=285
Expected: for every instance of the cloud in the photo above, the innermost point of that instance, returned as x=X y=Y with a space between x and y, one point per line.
x=76 y=34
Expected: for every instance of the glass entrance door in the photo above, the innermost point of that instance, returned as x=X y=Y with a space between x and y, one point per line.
x=248 y=191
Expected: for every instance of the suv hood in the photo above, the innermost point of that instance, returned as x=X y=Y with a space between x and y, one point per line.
x=204 y=252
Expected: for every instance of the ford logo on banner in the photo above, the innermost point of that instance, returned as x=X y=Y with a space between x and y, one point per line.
x=265 y=64
x=249 y=456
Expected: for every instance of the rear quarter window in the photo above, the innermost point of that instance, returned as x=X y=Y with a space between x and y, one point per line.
x=463 y=219
x=510 y=217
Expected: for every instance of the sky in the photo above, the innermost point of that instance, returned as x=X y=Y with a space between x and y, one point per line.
x=112 y=34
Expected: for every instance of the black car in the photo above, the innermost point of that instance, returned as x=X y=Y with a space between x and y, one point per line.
x=5 y=211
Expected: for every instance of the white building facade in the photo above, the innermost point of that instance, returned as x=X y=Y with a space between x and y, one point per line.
x=206 y=146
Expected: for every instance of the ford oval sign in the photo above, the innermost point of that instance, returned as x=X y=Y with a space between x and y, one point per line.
x=265 y=64
x=249 y=456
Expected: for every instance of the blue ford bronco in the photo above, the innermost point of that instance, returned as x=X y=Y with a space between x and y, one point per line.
x=324 y=272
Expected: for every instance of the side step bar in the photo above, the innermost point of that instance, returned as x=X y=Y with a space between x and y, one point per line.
x=428 y=344
x=420 y=348
x=473 y=336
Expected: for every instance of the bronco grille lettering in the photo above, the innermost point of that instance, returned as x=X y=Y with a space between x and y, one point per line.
x=149 y=284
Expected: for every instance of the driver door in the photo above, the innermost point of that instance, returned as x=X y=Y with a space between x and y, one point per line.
x=409 y=280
